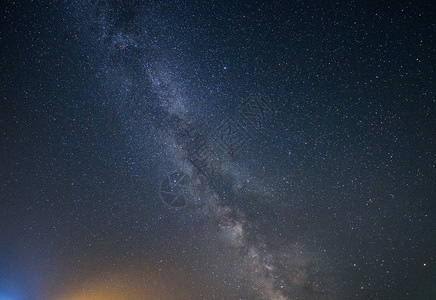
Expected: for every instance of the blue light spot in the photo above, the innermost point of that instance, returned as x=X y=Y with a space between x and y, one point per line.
x=9 y=295
x=225 y=68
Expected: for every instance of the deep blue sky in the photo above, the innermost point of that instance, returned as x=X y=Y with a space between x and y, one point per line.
x=323 y=188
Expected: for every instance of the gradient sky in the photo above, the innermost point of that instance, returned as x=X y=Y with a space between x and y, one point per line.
x=217 y=150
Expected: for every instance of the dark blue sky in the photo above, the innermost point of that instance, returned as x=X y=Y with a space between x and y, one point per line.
x=304 y=133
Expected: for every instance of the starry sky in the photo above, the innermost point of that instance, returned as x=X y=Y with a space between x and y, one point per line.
x=217 y=150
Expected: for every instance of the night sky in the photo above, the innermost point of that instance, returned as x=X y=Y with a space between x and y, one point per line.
x=217 y=150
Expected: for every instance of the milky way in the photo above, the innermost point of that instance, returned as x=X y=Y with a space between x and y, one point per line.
x=187 y=150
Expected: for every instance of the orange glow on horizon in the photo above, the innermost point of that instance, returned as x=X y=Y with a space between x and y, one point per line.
x=104 y=293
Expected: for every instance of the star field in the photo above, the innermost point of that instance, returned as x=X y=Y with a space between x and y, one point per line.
x=214 y=150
